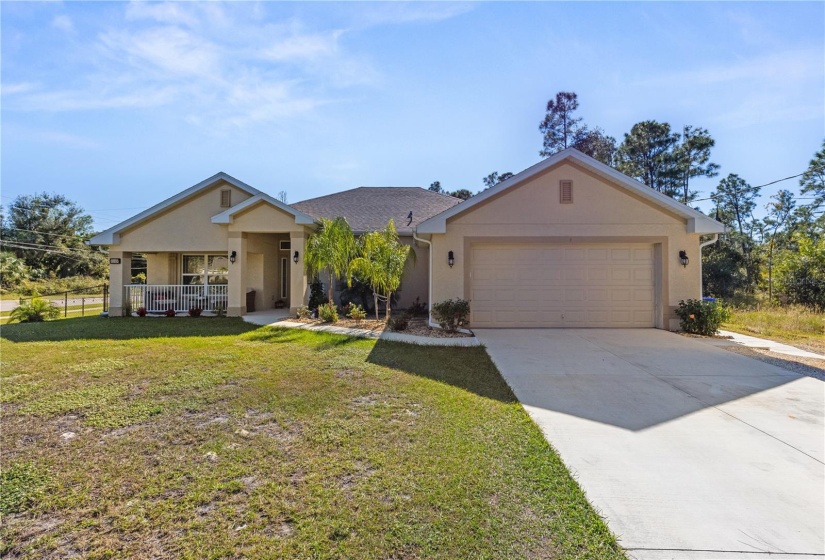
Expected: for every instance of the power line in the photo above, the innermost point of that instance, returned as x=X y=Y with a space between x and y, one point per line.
x=36 y=246
x=714 y=197
x=47 y=233
x=61 y=253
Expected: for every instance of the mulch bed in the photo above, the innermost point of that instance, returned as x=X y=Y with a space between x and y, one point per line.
x=417 y=327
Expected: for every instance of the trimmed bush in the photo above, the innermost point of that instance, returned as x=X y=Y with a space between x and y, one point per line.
x=35 y=311
x=399 y=322
x=304 y=312
x=328 y=313
x=701 y=317
x=356 y=312
x=451 y=314
x=195 y=311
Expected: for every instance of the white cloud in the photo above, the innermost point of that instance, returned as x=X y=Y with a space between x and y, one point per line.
x=220 y=64
x=64 y=23
x=89 y=99
x=388 y=13
x=20 y=87
x=174 y=51
x=786 y=66
x=297 y=48
x=167 y=13
x=748 y=91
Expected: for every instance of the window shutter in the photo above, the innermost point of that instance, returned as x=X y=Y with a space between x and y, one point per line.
x=566 y=192
x=226 y=198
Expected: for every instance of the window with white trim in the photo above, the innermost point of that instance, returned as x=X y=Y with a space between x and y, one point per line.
x=205 y=270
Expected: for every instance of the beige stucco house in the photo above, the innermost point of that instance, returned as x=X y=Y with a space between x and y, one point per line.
x=568 y=242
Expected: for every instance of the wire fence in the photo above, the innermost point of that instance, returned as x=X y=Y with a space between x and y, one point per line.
x=77 y=302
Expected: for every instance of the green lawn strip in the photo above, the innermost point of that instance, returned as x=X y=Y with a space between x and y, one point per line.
x=210 y=438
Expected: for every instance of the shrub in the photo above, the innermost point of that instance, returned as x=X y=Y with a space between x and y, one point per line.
x=418 y=308
x=35 y=311
x=356 y=312
x=451 y=314
x=34 y=287
x=170 y=313
x=800 y=274
x=195 y=311
x=317 y=296
x=12 y=270
x=141 y=312
x=399 y=322
x=328 y=313
x=304 y=312
x=701 y=317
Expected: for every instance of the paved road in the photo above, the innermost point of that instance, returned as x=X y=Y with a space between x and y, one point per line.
x=690 y=451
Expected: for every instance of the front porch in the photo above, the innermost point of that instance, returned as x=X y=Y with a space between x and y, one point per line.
x=160 y=298
x=254 y=271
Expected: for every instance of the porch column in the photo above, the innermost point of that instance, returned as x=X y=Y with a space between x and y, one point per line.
x=299 y=287
x=120 y=275
x=237 y=275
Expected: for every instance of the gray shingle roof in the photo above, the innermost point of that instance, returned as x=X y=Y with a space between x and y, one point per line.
x=369 y=208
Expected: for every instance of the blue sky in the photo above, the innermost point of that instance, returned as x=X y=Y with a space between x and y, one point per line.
x=121 y=105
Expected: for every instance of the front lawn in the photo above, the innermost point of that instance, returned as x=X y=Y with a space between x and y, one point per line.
x=209 y=438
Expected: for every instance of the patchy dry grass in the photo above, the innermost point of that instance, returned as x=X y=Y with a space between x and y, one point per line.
x=204 y=438
x=794 y=324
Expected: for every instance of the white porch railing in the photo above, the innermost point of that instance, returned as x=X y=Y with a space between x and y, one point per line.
x=159 y=298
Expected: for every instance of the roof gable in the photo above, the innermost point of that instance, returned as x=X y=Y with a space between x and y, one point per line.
x=228 y=216
x=696 y=222
x=111 y=236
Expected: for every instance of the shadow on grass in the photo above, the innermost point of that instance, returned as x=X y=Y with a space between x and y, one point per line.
x=124 y=328
x=319 y=340
x=467 y=368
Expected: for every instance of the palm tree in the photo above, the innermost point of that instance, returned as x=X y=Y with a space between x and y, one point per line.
x=380 y=263
x=330 y=250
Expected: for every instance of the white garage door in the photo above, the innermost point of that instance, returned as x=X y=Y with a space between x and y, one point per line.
x=537 y=285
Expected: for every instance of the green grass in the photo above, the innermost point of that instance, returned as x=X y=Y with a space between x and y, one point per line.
x=793 y=324
x=208 y=438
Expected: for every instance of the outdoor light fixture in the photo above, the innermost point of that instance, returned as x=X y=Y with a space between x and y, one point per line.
x=450 y=259
x=232 y=256
x=295 y=257
x=683 y=258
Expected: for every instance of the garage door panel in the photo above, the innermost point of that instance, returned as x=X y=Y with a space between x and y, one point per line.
x=620 y=255
x=597 y=255
x=552 y=286
x=598 y=295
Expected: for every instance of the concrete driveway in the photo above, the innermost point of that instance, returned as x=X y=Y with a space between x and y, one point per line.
x=688 y=450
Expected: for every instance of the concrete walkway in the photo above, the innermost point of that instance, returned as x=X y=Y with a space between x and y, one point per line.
x=737 y=339
x=280 y=318
x=688 y=450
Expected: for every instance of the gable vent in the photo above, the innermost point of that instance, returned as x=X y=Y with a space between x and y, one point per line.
x=226 y=198
x=566 y=192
